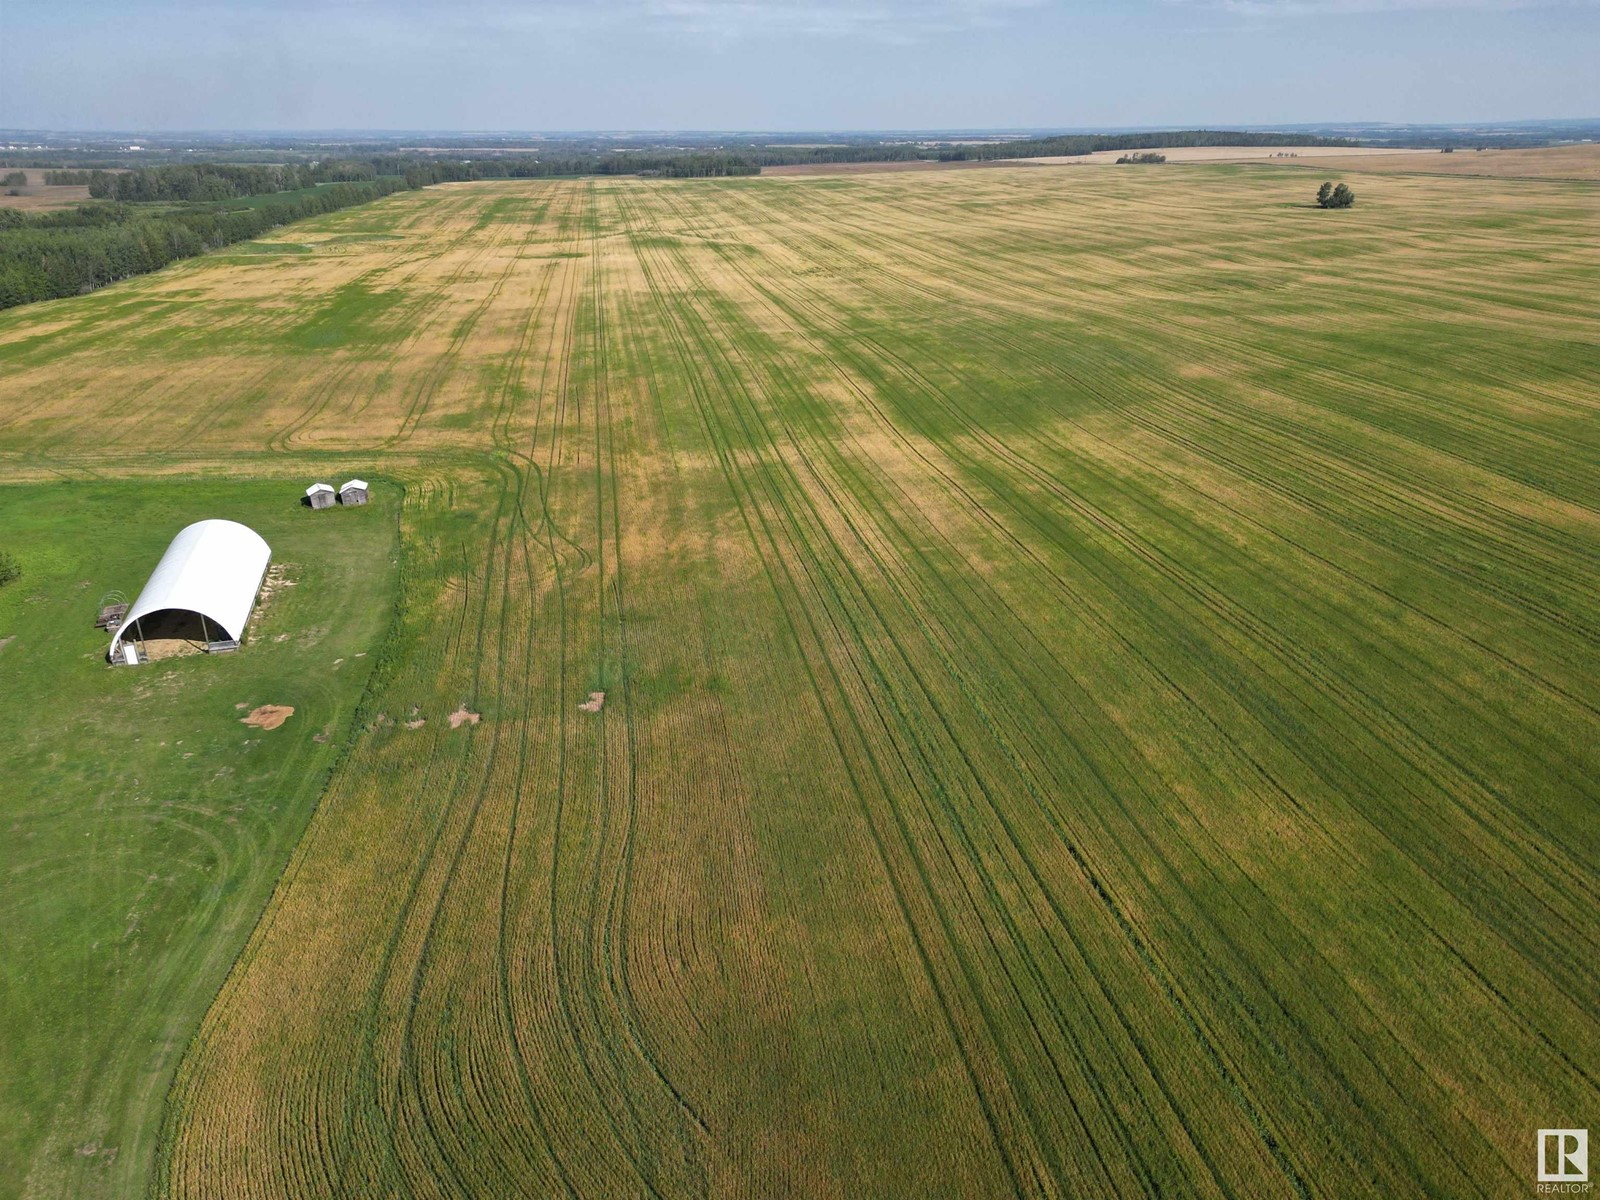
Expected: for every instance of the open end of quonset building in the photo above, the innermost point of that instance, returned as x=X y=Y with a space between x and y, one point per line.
x=199 y=596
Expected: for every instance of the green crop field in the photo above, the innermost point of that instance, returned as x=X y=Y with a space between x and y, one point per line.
x=1101 y=696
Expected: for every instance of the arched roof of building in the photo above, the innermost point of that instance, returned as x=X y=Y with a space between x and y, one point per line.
x=213 y=568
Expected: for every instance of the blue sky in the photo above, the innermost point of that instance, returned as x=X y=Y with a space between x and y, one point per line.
x=794 y=64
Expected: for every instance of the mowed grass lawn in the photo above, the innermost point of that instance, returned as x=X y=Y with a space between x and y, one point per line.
x=1101 y=679
x=144 y=824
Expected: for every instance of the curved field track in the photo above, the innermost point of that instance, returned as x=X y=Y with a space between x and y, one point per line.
x=1101 y=683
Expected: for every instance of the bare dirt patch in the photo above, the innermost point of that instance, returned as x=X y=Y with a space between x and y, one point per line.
x=594 y=703
x=6 y=641
x=171 y=633
x=268 y=716
x=278 y=576
x=462 y=716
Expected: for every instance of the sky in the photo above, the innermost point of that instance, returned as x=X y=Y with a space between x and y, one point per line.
x=153 y=65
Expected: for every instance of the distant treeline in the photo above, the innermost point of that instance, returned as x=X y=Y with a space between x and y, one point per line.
x=219 y=181
x=738 y=155
x=76 y=250
x=1088 y=143
x=419 y=171
x=1063 y=145
x=210 y=182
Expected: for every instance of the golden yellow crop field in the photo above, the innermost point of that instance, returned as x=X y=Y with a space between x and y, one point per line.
x=1099 y=682
x=1575 y=162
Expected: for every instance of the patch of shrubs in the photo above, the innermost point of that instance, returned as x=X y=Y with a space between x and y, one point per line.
x=1331 y=196
x=10 y=568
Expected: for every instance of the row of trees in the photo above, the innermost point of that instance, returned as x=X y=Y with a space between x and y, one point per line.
x=419 y=172
x=213 y=182
x=77 y=250
x=225 y=176
x=1088 y=143
x=749 y=159
x=219 y=181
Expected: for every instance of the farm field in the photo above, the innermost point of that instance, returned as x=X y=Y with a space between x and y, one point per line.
x=1576 y=162
x=37 y=196
x=145 y=825
x=1357 y=157
x=1100 y=670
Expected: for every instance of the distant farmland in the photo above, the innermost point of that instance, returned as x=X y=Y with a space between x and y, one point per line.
x=1101 y=684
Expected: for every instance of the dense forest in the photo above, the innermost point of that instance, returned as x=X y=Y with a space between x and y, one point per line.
x=76 y=250
x=216 y=181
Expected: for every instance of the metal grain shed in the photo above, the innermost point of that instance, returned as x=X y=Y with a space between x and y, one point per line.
x=212 y=572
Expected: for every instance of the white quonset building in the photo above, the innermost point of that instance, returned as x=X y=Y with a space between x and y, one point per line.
x=212 y=572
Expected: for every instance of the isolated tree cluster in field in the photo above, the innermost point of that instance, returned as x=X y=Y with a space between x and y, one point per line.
x=1331 y=195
